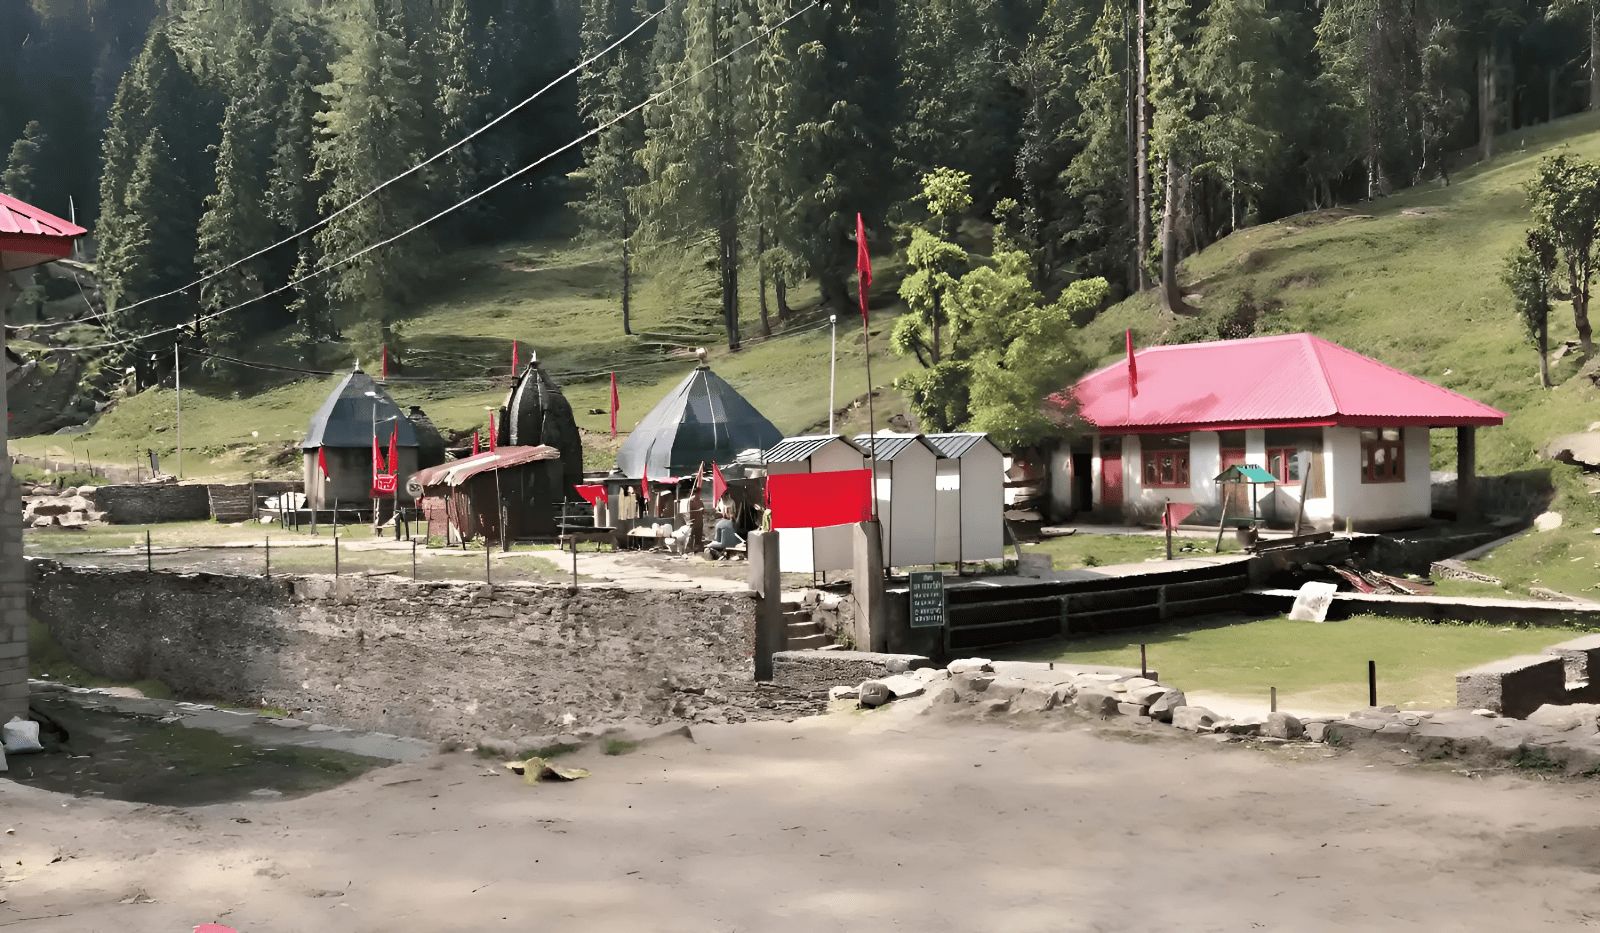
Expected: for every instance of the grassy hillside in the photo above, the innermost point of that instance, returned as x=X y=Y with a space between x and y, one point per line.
x=1414 y=280
x=555 y=299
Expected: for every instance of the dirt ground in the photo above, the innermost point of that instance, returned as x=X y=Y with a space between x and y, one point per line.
x=845 y=822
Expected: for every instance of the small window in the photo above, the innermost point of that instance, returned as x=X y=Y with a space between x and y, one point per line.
x=1166 y=468
x=1284 y=463
x=1383 y=456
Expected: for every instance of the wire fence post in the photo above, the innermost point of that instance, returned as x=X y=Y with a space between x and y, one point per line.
x=149 y=562
x=1274 y=700
x=269 y=556
x=413 y=560
x=1372 y=683
x=574 y=563
x=487 y=552
x=336 y=554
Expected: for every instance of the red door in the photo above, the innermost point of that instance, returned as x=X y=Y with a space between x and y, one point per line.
x=1111 y=480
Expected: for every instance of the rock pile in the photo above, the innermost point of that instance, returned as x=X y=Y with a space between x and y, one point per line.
x=44 y=506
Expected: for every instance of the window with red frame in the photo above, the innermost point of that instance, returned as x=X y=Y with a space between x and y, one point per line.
x=1383 y=456
x=1166 y=468
x=1284 y=463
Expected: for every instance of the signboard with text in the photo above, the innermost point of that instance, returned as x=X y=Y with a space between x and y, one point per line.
x=383 y=486
x=927 y=599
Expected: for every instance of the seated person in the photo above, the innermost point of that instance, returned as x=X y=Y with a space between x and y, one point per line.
x=725 y=536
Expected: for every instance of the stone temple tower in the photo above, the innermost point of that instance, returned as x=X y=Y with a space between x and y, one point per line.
x=536 y=412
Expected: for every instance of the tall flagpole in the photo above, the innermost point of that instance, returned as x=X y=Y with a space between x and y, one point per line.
x=863 y=282
x=833 y=365
x=177 y=390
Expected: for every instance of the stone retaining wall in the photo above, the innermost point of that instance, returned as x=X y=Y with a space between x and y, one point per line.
x=430 y=660
x=152 y=503
x=814 y=672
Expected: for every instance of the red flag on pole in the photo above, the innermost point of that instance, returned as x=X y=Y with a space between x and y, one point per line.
x=616 y=405
x=1133 y=368
x=644 y=487
x=322 y=461
x=474 y=443
x=863 y=266
x=719 y=485
x=394 y=453
x=491 y=432
x=513 y=359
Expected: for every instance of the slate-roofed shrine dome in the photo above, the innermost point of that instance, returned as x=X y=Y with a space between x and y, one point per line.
x=537 y=413
x=702 y=421
x=346 y=418
x=430 y=443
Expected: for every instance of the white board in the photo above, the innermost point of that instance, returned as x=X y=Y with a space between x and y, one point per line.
x=1312 y=602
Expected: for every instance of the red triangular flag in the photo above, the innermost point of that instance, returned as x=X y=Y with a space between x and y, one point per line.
x=719 y=486
x=474 y=443
x=616 y=405
x=322 y=461
x=394 y=453
x=644 y=487
x=513 y=359
x=863 y=266
x=491 y=432
x=377 y=458
x=1133 y=369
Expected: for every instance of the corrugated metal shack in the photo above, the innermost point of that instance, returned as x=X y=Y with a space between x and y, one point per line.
x=465 y=499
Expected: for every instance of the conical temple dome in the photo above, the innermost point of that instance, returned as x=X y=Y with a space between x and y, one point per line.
x=702 y=421
x=536 y=412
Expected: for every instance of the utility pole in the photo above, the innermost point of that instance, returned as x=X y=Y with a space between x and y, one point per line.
x=833 y=364
x=177 y=388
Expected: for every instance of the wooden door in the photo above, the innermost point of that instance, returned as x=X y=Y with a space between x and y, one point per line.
x=1236 y=495
x=1111 y=480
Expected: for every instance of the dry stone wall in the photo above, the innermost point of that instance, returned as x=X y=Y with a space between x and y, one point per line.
x=433 y=660
x=153 y=502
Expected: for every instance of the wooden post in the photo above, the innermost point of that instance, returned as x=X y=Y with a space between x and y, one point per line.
x=149 y=562
x=269 y=556
x=336 y=552
x=1466 y=475
x=1372 y=683
x=1166 y=523
x=574 y=563
x=487 y=554
x=1305 y=492
x=1222 y=520
x=1144 y=668
x=413 y=560
x=1274 y=699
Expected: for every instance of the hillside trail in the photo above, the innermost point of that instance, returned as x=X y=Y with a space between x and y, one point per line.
x=840 y=822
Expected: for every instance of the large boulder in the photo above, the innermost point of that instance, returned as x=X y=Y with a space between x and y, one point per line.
x=1283 y=726
x=1097 y=702
x=1161 y=709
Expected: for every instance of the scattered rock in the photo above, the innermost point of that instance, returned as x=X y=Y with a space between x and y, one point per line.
x=1283 y=726
x=1584 y=717
x=1249 y=725
x=1096 y=702
x=1145 y=696
x=843 y=693
x=1135 y=684
x=1161 y=709
x=1193 y=718
x=1133 y=709
x=970 y=665
x=930 y=675
x=1316 y=731
x=873 y=693
x=903 y=685
x=1486 y=713
x=1547 y=521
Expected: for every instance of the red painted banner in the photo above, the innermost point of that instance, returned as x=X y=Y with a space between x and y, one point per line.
x=384 y=485
x=818 y=500
x=594 y=495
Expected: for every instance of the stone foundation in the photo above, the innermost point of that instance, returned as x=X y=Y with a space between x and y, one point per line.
x=430 y=660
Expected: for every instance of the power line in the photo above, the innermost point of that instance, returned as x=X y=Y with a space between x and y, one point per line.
x=329 y=267
x=415 y=168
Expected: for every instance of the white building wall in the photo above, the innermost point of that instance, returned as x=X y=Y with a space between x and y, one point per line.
x=904 y=488
x=1061 y=481
x=1373 y=506
x=947 y=511
x=983 y=504
x=1095 y=467
x=807 y=550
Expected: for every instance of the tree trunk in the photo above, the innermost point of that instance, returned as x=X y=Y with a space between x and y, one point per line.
x=1142 y=247
x=761 y=275
x=934 y=350
x=1580 y=313
x=1135 y=260
x=1544 y=347
x=1594 y=57
x=1486 y=103
x=728 y=247
x=627 y=271
x=780 y=288
x=1171 y=294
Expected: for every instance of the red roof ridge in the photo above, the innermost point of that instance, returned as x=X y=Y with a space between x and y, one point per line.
x=1310 y=342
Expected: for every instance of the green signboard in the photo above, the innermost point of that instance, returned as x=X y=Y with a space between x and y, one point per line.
x=927 y=599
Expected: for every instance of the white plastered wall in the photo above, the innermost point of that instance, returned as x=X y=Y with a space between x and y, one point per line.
x=904 y=488
x=807 y=550
x=1371 y=506
x=983 y=503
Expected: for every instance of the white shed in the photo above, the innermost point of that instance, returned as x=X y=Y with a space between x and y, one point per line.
x=970 y=496
x=903 y=487
x=808 y=550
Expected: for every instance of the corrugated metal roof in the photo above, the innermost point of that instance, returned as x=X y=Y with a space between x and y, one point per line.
x=1247 y=474
x=1263 y=382
x=345 y=419
x=796 y=449
x=951 y=446
x=30 y=236
x=890 y=446
x=457 y=472
x=701 y=421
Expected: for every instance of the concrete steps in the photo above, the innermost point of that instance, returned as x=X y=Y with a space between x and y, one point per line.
x=803 y=631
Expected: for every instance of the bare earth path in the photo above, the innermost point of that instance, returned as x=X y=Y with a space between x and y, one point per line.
x=847 y=823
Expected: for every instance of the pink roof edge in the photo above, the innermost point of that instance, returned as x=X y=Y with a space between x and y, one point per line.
x=1256 y=382
x=20 y=217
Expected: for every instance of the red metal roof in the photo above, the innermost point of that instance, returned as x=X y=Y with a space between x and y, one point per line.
x=1294 y=379
x=457 y=472
x=30 y=236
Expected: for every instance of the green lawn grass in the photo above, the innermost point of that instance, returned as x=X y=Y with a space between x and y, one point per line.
x=1314 y=666
x=1085 y=550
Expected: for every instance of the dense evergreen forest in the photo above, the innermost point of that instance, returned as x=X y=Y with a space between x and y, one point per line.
x=1108 y=137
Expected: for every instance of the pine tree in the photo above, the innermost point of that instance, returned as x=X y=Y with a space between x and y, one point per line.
x=458 y=102
x=236 y=225
x=371 y=131
x=611 y=169
x=23 y=167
